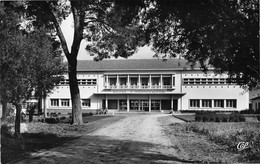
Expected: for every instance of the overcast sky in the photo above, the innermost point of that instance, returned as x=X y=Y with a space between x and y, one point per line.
x=67 y=28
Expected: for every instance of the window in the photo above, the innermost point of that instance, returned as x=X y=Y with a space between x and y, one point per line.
x=206 y=103
x=203 y=81
x=54 y=102
x=219 y=103
x=195 y=103
x=64 y=82
x=231 y=103
x=91 y=81
x=87 y=81
x=185 y=81
x=65 y=102
x=86 y=102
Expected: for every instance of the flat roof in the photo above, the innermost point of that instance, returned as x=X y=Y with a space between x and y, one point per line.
x=134 y=64
x=137 y=93
x=255 y=98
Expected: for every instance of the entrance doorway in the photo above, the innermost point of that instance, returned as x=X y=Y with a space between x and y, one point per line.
x=166 y=104
x=122 y=105
x=134 y=105
x=144 y=105
x=155 y=104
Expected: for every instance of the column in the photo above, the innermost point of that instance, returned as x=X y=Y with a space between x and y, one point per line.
x=150 y=103
x=117 y=82
x=150 y=81
x=106 y=81
x=160 y=105
x=139 y=105
x=128 y=82
x=171 y=102
x=106 y=103
x=179 y=104
x=118 y=105
x=161 y=82
x=127 y=103
x=172 y=82
x=139 y=81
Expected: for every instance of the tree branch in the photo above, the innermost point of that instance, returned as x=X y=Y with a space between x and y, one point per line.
x=59 y=32
x=78 y=15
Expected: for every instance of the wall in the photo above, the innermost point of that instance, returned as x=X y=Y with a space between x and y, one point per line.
x=212 y=91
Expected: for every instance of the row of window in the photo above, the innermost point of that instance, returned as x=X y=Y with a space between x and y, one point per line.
x=80 y=82
x=208 y=103
x=66 y=102
x=187 y=81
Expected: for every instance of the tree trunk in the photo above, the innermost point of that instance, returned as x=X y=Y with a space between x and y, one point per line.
x=74 y=92
x=44 y=108
x=17 y=131
x=78 y=12
x=4 y=109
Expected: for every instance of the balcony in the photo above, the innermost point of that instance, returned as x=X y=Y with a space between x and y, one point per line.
x=168 y=87
x=139 y=82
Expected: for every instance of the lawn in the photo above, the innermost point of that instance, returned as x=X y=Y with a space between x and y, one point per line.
x=217 y=142
x=45 y=136
x=186 y=117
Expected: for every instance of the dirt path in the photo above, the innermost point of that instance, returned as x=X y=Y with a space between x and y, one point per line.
x=134 y=139
x=142 y=128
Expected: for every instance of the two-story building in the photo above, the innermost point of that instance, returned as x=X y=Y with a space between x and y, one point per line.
x=148 y=85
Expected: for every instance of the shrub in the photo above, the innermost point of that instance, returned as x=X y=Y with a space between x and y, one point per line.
x=198 y=118
x=51 y=120
x=87 y=114
x=213 y=117
x=248 y=111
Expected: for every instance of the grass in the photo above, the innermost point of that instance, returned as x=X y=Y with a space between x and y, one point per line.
x=38 y=136
x=217 y=142
x=186 y=117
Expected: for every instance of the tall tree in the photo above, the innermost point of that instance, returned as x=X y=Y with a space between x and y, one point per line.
x=23 y=57
x=219 y=33
x=92 y=19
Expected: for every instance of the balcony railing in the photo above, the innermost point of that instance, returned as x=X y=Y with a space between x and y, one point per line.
x=139 y=87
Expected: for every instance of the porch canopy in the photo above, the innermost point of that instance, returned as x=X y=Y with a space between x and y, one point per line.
x=154 y=101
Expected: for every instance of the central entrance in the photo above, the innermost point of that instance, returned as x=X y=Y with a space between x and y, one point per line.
x=141 y=103
x=144 y=105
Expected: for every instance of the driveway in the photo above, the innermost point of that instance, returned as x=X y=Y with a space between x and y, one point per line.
x=138 y=138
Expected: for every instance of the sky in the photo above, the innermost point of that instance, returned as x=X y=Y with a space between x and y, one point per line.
x=67 y=29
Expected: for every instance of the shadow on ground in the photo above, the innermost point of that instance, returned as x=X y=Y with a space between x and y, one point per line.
x=92 y=149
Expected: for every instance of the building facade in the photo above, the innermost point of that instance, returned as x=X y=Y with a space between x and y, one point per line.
x=148 y=85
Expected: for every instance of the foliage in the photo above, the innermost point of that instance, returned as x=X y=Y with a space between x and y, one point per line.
x=106 y=23
x=26 y=58
x=250 y=111
x=213 y=117
x=230 y=134
x=219 y=33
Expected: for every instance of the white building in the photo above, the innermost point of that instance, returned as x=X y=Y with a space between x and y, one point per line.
x=150 y=85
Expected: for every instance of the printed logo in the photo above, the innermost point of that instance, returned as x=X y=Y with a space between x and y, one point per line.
x=242 y=145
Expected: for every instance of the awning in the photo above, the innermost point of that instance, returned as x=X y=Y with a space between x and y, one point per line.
x=138 y=93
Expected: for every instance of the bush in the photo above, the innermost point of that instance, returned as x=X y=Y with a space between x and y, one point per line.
x=250 y=111
x=213 y=117
x=198 y=118
x=87 y=114
x=51 y=120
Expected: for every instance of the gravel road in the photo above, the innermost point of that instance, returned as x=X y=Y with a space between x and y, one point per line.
x=138 y=138
x=141 y=128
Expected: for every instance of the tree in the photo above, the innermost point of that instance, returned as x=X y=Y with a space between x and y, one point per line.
x=219 y=33
x=92 y=20
x=24 y=57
